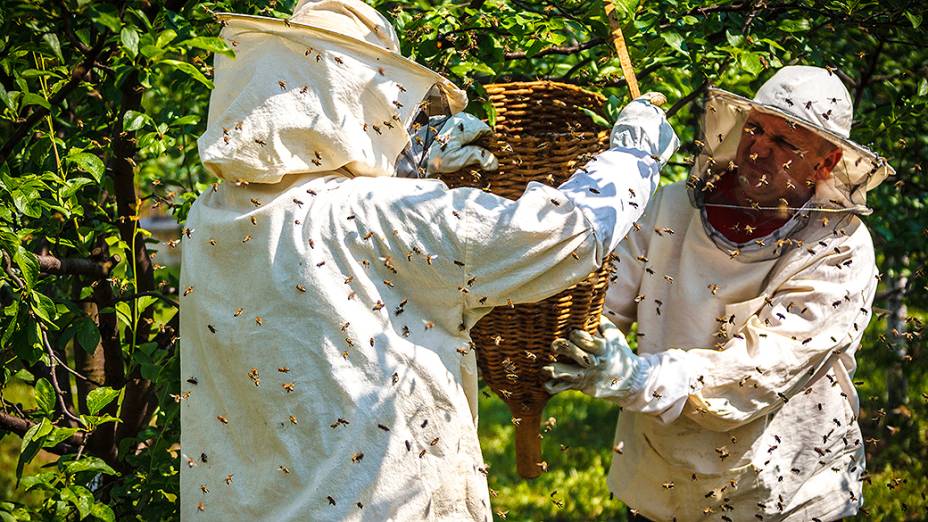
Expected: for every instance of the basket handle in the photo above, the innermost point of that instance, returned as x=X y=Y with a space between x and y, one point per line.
x=619 y=41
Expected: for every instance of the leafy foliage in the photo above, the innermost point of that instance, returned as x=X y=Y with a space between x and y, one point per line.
x=100 y=107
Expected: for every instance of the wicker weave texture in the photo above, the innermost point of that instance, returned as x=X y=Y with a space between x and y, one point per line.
x=540 y=135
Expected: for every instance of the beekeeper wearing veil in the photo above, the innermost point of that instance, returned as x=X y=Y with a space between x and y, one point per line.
x=330 y=285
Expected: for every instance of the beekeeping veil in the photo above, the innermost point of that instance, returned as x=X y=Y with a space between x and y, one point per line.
x=326 y=90
x=807 y=97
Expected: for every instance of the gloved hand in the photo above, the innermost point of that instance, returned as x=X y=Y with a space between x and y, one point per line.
x=642 y=125
x=450 y=151
x=606 y=367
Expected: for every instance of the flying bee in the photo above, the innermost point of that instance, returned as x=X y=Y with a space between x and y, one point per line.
x=238 y=312
x=260 y=142
x=222 y=419
x=282 y=84
x=188 y=291
x=259 y=320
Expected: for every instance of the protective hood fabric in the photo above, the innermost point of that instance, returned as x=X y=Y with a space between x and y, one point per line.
x=324 y=91
x=765 y=422
x=809 y=97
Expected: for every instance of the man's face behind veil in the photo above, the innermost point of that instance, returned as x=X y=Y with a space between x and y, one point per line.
x=777 y=161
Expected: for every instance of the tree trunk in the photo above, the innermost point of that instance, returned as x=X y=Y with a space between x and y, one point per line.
x=896 y=382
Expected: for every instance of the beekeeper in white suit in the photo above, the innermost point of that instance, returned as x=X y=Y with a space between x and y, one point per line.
x=750 y=304
x=326 y=364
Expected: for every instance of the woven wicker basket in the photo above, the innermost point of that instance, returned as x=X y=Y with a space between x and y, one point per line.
x=540 y=135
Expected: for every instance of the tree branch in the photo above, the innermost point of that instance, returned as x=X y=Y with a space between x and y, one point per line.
x=68 y=266
x=20 y=426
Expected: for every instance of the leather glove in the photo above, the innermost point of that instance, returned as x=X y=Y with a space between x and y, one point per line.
x=642 y=125
x=605 y=366
x=450 y=151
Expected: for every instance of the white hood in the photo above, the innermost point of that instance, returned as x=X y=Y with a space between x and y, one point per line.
x=314 y=98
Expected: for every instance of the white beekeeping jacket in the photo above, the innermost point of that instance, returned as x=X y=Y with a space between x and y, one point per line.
x=769 y=427
x=325 y=354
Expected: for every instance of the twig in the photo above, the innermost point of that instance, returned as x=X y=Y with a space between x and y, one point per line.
x=53 y=363
x=75 y=372
x=573 y=49
x=8 y=268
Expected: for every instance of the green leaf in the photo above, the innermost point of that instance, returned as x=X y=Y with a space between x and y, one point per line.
x=7 y=100
x=88 y=163
x=190 y=119
x=751 y=63
x=44 y=307
x=103 y=512
x=82 y=501
x=167 y=36
x=44 y=396
x=46 y=479
x=31 y=98
x=795 y=26
x=674 y=40
x=32 y=443
x=597 y=119
x=914 y=19
x=923 y=87
x=52 y=40
x=71 y=186
x=105 y=15
x=28 y=264
x=209 y=43
x=134 y=120
x=57 y=436
x=190 y=70
x=88 y=335
x=130 y=40
x=98 y=398
x=89 y=463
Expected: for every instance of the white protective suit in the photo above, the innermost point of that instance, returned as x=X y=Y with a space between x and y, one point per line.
x=748 y=410
x=327 y=304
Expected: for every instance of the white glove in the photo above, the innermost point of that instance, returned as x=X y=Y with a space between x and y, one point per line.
x=643 y=126
x=606 y=367
x=450 y=151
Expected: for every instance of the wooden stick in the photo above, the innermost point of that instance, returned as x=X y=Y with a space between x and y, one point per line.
x=619 y=40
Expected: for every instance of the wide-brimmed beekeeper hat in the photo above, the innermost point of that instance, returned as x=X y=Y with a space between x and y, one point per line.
x=324 y=90
x=809 y=97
